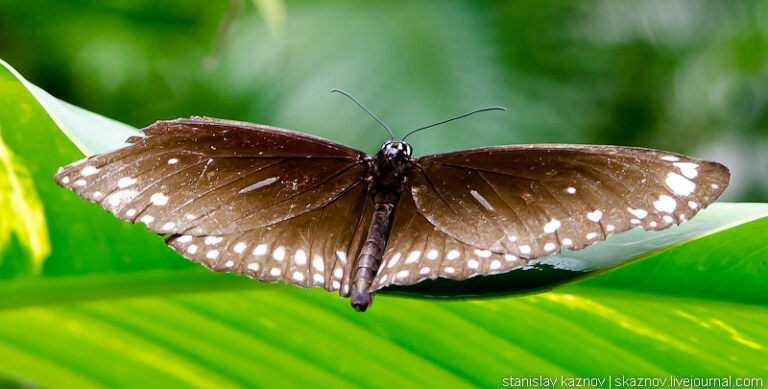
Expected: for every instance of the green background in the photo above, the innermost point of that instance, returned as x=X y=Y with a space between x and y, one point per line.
x=101 y=304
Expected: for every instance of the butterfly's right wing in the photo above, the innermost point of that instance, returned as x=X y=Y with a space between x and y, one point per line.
x=216 y=183
x=488 y=210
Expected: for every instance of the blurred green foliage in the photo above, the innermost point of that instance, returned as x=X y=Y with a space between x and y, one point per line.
x=687 y=76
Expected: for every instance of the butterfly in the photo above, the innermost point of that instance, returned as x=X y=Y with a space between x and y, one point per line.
x=278 y=205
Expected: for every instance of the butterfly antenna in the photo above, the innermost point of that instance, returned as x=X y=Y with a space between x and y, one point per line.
x=495 y=108
x=365 y=109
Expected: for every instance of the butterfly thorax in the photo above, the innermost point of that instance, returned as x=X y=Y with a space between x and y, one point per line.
x=388 y=172
x=389 y=169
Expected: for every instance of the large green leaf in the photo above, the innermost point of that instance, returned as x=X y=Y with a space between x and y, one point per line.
x=103 y=313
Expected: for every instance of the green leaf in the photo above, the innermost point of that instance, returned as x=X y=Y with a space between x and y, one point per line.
x=107 y=309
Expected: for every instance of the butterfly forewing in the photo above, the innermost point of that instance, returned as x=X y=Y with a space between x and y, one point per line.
x=531 y=201
x=212 y=177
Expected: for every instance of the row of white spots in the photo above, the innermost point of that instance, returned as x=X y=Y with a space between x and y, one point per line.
x=258 y=185
x=480 y=199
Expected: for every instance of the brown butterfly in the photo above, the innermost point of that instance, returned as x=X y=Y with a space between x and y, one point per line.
x=278 y=205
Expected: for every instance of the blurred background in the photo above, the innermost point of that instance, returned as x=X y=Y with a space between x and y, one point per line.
x=686 y=76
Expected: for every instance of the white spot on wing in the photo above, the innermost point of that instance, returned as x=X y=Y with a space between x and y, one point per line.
x=670 y=158
x=550 y=247
x=510 y=257
x=473 y=264
x=229 y=264
x=300 y=257
x=159 y=199
x=483 y=253
x=275 y=271
x=89 y=171
x=592 y=235
x=173 y=161
x=665 y=204
x=318 y=263
x=125 y=182
x=298 y=276
x=393 y=260
x=279 y=253
x=424 y=270
x=318 y=278
x=480 y=199
x=336 y=284
x=213 y=254
x=413 y=256
x=640 y=213
x=679 y=184
x=260 y=249
x=453 y=254
x=168 y=226
x=610 y=227
x=253 y=266
x=211 y=240
x=571 y=190
x=185 y=238
x=402 y=274
x=80 y=182
x=65 y=180
x=450 y=270
x=432 y=254
x=552 y=226
x=260 y=184
x=192 y=249
x=495 y=264
x=567 y=242
x=595 y=215
x=525 y=249
x=239 y=247
x=338 y=273
x=147 y=219
x=130 y=213
x=689 y=169
x=693 y=204
x=342 y=256
x=668 y=219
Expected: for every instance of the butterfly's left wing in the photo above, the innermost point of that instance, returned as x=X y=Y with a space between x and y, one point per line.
x=239 y=197
x=489 y=210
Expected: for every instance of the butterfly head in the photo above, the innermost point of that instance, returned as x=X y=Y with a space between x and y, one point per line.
x=395 y=147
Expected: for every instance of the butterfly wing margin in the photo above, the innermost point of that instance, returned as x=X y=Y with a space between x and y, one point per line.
x=215 y=177
x=531 y=201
